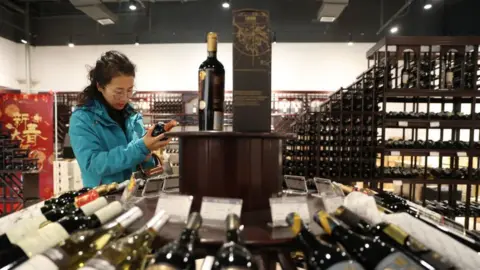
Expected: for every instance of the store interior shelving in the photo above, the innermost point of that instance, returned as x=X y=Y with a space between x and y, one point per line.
x=411 y=120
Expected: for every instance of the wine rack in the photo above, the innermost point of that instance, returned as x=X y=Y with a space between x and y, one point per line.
x=14 y=161
x=411 y=119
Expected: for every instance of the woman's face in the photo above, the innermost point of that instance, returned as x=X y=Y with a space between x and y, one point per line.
x=118 y=92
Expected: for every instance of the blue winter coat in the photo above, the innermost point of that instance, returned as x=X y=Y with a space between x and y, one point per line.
x=105 y=153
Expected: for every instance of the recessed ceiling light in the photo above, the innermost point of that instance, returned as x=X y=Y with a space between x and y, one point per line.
x=327 y=19
x=23 y=41
x=394 y=30
x=71 y=45
x=105 y=21
x=350 y=43
x=136 y=43
x=427 y=6
x=226 y=4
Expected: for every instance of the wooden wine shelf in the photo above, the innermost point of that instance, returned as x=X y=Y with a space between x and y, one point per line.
x=426 y=123
x=428 y=151
x=398 y=92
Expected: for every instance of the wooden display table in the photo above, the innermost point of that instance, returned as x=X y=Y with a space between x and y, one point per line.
x=238 y=165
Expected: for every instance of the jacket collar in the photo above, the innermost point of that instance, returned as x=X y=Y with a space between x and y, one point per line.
x=101 y=113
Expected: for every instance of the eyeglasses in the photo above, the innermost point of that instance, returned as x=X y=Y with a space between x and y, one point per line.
x=120 y=94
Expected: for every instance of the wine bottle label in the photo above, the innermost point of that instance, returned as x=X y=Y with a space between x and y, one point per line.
x=157 y=221
x=218 y=121
x=397 y=261
x=90 y=208
x=405 y=78
x=98 y=264
x=449 y=77
x=86 y=198
x=11 y=220
x=47 y=237
x=57 y=255
x=129 y=217
x=350 y=265
x=25 y=228
x=109 y=212
x=38 y=262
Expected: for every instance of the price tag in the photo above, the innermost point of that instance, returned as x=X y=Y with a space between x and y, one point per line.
x=130 y=189
x=462 y=154
x=402 y=123
x=397 y=182
x=332 y=203
x=434 y=154
x=395 y=153
x=176 y=206
x=434 y=124
x=214 y=210
x=281 y=207
x=296 y=183
x=171 y=184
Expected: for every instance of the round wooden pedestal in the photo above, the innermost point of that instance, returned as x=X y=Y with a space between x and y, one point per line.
x=239 y=165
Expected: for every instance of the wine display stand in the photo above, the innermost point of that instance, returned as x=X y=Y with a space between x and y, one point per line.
x=18 y=175
x=411 y=119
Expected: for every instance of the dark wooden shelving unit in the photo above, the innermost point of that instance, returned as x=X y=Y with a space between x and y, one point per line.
x=420 y=86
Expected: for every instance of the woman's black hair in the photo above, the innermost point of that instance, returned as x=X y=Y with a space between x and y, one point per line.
x=109 y=66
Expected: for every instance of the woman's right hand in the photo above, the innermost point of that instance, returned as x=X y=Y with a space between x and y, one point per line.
x=154 y=143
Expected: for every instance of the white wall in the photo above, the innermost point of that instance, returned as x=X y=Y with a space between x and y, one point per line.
x=295 y=66
x=9 y=62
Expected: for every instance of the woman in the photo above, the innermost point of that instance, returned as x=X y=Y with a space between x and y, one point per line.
x=106 y=134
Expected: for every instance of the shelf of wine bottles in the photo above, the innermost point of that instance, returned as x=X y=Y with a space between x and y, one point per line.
x=14 y=161
x=412 y=116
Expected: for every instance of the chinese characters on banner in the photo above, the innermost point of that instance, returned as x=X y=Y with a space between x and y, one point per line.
x=28 y=118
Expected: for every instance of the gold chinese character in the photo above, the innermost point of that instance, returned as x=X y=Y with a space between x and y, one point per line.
x=32 y=134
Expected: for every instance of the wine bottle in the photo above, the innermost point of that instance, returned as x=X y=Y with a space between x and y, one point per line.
x=163 y=127
x=396 y=237
x=128 y=252
x=27 y=227
x=54 y=233
x=232 y=255
x=371 y=253
x=179 y=254
x=82 y=245
x=318 y=255
x=405 y=76
x=69 y=194
x=211 y=89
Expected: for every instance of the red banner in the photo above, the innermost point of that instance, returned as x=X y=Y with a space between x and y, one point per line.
x=29 y=118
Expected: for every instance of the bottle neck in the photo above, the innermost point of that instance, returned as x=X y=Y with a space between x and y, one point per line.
x=212 y=54
x=232 y=236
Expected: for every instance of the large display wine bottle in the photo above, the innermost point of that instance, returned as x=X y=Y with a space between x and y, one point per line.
x=211 y=83
x=371 y=253
x=179 y=254
x=54 y=233
x=82 y=245
x=233 y=255
x=26 y=227
x=130 y=251
x=396 y=237
x=318 y=255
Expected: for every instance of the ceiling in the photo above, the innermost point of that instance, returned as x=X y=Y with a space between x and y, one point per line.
x=56 y=22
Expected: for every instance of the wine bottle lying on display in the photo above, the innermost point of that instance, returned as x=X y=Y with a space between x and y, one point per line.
x=179 y=253
x=318 y=255
x=30 y=226
x=82 y=245
x=128 y=252
x=54 y=233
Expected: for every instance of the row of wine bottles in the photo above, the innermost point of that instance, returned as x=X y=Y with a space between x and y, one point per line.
x=93 y=236
x=458 y=210
x=389 y=202
x=432 y=115
x=419 y=144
